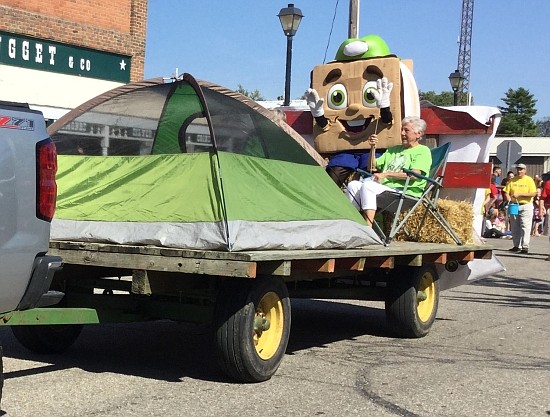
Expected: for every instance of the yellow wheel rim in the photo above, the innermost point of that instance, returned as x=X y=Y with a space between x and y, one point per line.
x=426 y=297
x=268 y=325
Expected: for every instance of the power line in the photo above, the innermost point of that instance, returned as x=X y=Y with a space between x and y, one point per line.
x=331 y=27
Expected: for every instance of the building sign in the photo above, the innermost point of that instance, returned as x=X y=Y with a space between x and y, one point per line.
x=32 y=53
x=97 y=130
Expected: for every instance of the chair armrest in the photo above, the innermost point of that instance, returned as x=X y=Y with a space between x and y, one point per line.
x=363 y=173
x=419 y=176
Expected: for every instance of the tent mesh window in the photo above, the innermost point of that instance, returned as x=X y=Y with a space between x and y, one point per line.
x=169 y=119
x=240 y=129
x=123 y=125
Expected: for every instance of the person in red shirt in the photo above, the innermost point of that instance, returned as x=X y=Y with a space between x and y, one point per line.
x=545 y=205
x=491 y=196
x=537 y=214
x=495 y=192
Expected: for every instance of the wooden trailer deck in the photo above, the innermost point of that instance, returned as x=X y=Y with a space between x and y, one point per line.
x=274 y=262
x=250 y=318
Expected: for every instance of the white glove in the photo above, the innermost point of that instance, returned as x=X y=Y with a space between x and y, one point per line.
x=382 y=93
x=315 y=103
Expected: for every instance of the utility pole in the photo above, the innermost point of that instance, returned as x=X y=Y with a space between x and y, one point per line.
x=353 y=19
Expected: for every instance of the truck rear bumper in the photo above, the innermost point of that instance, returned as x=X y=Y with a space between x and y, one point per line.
x=42 y=274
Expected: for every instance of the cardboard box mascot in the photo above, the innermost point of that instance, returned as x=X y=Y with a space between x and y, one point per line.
x=365 y=90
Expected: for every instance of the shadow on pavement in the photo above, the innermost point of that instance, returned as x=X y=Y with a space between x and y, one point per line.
x=158 y=350
x=524 y=292
x=172 y=352
x=318 y=323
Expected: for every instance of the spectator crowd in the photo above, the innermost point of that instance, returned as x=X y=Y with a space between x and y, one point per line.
x=517 y=207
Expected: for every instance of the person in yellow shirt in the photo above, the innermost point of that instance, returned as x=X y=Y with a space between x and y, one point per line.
x=521 y=189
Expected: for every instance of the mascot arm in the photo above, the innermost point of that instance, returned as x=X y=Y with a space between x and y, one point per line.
x=322 y=122
x=382 y=96
x=385 y=115
x=315 y=104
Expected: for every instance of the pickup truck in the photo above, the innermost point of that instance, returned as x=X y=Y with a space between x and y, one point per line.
x=28 y=163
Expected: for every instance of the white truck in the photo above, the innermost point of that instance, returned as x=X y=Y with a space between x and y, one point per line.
x=28 y=163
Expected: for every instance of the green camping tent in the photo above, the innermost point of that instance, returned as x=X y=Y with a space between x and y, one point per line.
x=189 y=164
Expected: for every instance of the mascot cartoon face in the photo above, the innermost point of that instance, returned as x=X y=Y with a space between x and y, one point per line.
x=350 y=90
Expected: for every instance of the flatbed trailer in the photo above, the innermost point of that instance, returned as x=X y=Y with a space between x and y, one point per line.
x=244 y=295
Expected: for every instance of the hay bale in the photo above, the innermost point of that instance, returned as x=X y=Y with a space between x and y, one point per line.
x=459 y=215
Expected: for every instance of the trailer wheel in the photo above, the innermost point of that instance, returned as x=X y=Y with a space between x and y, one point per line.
x=47 y=338
x=252 y=327
x=412 y=301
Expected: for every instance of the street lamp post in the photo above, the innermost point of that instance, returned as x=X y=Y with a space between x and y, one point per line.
x=290 y=18
x=456 y=78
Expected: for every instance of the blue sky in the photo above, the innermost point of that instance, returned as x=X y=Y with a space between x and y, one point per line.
x=241 y=42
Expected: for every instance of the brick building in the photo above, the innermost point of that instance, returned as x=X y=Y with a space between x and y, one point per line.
x=57 y=54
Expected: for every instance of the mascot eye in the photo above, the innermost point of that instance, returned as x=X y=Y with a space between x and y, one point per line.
x=368 y=97
x=337 y=97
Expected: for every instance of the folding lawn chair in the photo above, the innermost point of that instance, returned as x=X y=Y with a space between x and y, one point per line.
x=398 y=202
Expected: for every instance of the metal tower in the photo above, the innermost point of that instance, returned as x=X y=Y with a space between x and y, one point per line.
x=465 y=45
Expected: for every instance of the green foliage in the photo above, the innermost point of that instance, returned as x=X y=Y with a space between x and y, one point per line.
x=517 y=115
x=254 y=95
x=543 y=127
x=445 y=98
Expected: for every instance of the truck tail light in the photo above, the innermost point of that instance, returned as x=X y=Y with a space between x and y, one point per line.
x=46 y=187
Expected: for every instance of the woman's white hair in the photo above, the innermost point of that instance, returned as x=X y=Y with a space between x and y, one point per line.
x=418 y=124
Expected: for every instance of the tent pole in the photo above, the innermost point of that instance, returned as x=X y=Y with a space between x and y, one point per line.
x=193 y=82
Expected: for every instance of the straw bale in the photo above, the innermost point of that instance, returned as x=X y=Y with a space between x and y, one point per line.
x=459 y=215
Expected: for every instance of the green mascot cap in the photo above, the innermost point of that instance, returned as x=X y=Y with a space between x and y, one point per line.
x=369 y=46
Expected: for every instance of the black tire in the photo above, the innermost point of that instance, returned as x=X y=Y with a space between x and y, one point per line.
x=412 y=301
x=47 y=338
x=248 y=348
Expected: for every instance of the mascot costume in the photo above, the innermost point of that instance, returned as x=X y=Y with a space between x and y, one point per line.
x=365 y=90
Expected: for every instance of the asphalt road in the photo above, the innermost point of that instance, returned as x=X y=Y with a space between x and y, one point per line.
x=488 y=354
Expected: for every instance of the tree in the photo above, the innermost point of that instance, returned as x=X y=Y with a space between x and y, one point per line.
x=254 y=95
x=517 y=115
x=543 y=127
x=445 y=98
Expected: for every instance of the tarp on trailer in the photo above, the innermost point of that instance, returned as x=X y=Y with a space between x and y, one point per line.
x=192 y=165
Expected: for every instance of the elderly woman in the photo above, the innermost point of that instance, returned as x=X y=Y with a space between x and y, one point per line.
x=389 y=173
